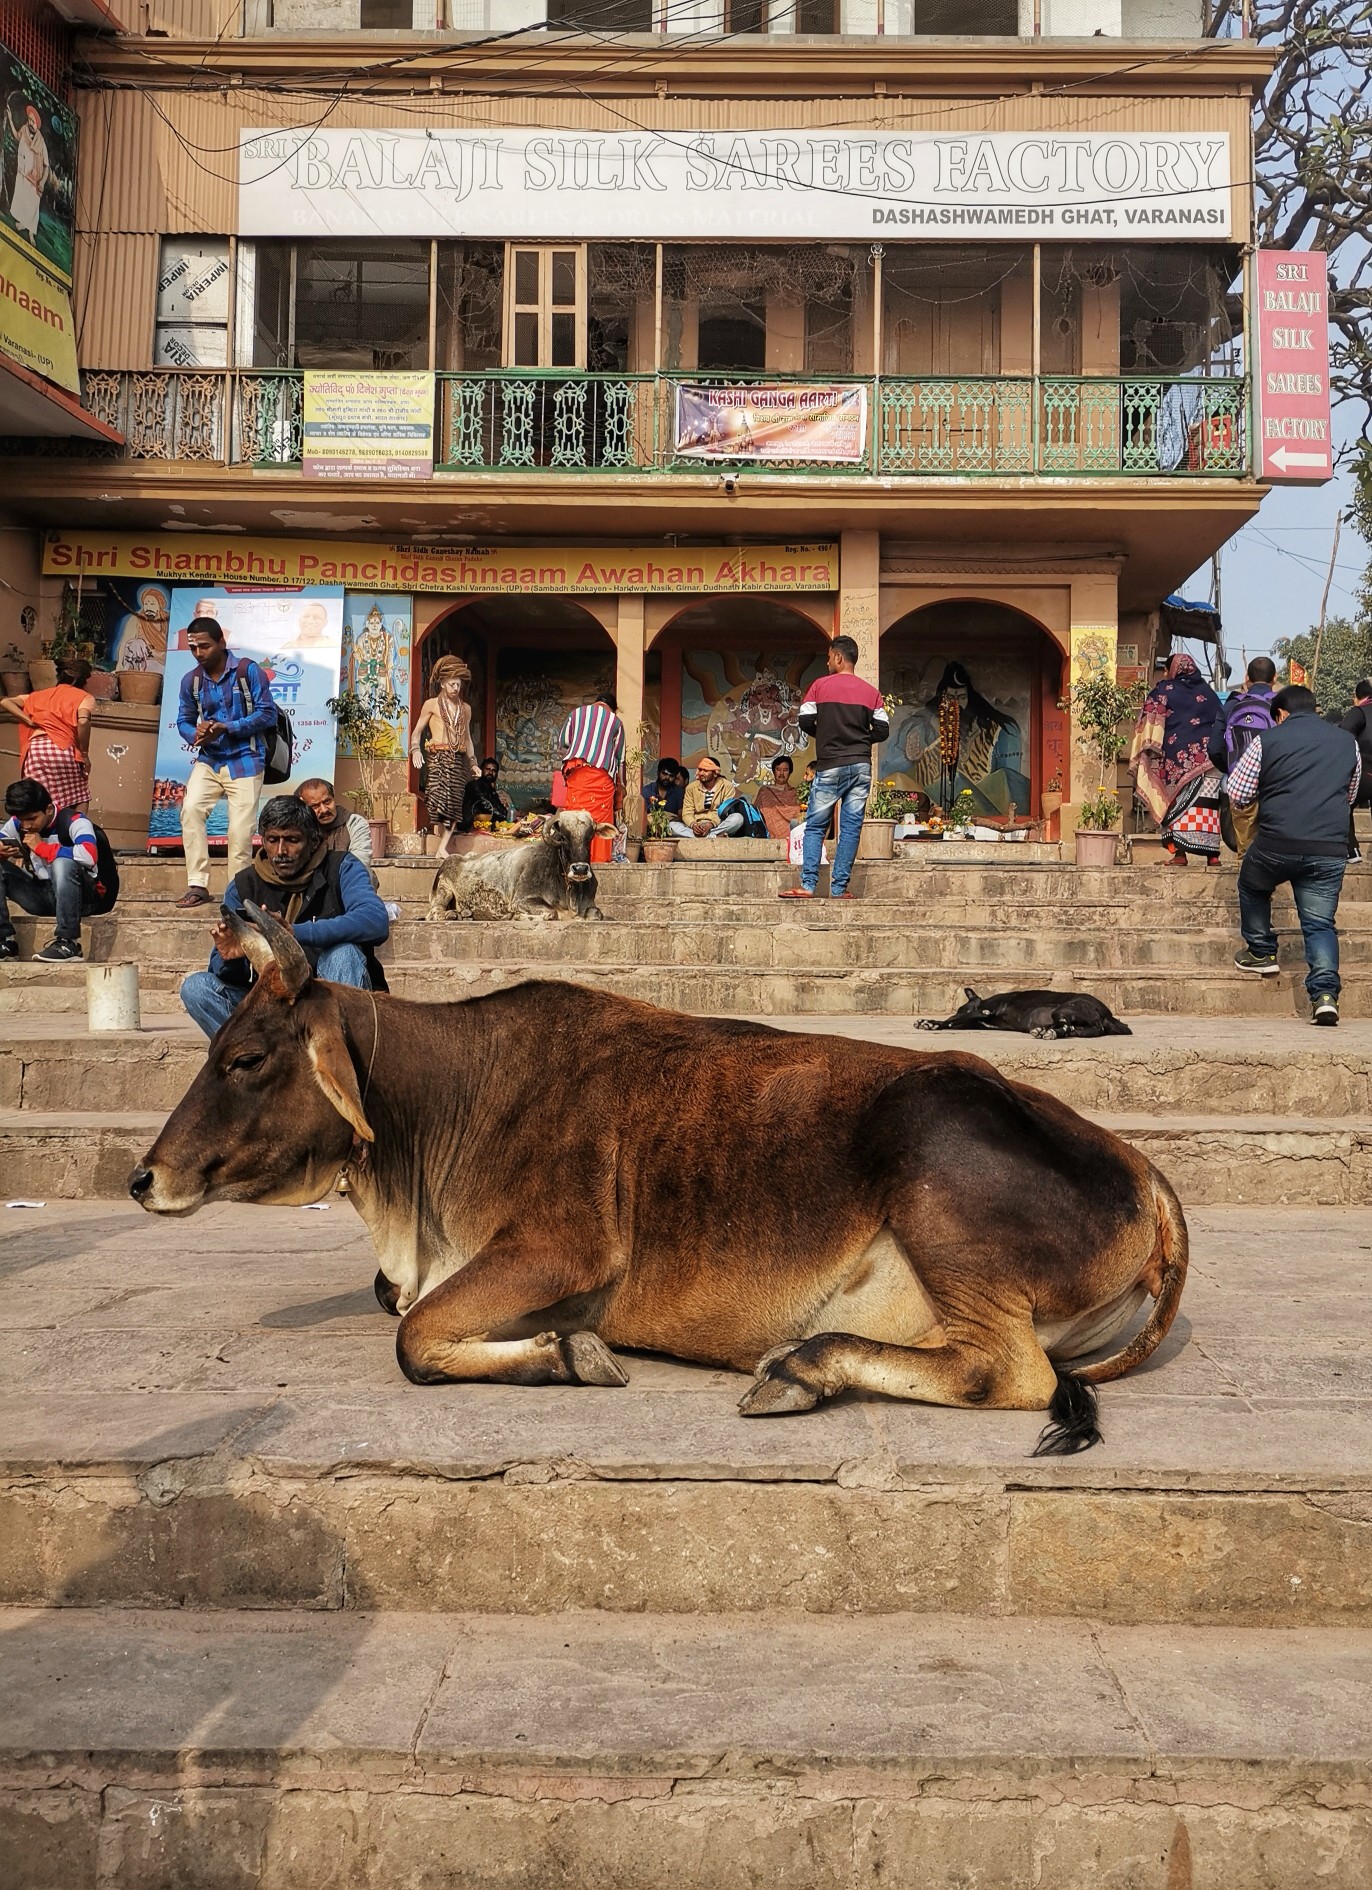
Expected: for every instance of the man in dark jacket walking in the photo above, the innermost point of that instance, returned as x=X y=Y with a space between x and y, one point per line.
x=1304 y=775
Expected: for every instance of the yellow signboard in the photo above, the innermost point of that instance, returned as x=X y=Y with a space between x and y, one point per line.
x=36 y=328
x=368 y=426
x=502 y=570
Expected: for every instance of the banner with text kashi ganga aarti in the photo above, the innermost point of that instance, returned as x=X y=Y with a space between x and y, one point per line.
x=826 y=425
x=490 y=571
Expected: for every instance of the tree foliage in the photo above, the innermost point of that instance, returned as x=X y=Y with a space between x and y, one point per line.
x=1313 y=147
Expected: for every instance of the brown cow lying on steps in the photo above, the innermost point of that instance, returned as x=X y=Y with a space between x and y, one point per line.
x=822 y=1213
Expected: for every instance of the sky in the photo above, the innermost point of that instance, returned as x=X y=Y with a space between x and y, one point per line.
x=1272 y=573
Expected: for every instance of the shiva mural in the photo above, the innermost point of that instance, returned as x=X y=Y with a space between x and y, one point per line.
x=745 y=708
x=536 y=690
x=950 y=732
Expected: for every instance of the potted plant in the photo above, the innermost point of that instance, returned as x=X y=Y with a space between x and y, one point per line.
x=14 y=674
x=963 y=814
x=367 y=722
x=1099 y=704
x=885 y=805
x=659 y=848
x=1050 y=800
x=1095 y=835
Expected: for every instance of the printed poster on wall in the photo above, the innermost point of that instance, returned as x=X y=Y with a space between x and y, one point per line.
x=297 y=637
x=37 y=169
x=376 y=659
x=827 y=424
x=368 y=426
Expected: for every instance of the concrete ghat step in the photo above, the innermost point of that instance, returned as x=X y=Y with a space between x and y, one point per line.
x=627 y=1754
x=166 y=947
x=1230 y=1159
x=211 y=1415
x=1176 y=1065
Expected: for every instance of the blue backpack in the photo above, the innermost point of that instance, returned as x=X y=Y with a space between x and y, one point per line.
x=1247 y=717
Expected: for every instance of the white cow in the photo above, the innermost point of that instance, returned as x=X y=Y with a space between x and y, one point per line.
x=533 y=879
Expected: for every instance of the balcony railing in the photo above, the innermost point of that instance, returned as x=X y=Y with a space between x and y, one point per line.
x=521 y=422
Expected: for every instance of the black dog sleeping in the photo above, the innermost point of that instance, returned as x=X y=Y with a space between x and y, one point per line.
x=1038 y=1013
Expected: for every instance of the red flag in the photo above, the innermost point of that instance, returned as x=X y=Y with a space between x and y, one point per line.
x=1297 y=673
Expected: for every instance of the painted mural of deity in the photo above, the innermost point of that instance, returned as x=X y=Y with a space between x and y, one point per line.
x=745 y=708
x=376 y=657
x=949 y=736
x=534 y=696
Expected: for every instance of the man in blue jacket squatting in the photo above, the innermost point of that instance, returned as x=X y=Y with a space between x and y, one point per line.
x=326 y=898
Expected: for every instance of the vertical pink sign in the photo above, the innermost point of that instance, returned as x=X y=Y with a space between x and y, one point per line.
x=1291 y=386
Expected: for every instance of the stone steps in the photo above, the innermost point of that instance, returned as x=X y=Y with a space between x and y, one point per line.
x=282 y=1751
x=211 y=1416
x=1210 y=1160
x=164 y=946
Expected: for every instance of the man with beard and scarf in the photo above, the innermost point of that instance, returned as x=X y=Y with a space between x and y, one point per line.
x=343 y=833
x=326 y=899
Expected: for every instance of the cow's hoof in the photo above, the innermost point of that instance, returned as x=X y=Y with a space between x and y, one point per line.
x=777 y=1396
x=591 y=1362
x=387 y=1295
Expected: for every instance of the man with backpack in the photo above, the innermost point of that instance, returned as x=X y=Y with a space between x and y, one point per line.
x=57 y=865
x=1358 y=722
x=1247 y=715
x=226 y=713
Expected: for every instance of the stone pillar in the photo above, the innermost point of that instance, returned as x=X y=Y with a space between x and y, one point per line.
x=629 y=641
x=1095 y=636
x=859 y=599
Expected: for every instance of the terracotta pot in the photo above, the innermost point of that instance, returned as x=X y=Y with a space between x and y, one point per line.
x=659 y=852
x=43 y=672
x=877 y=840
x=14 y=682
x=103 y=684
x=1050 y=801
x=140 y=685
x=1094 y=848
x=381 y=838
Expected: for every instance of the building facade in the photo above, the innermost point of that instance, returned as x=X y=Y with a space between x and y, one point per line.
x=729 y=330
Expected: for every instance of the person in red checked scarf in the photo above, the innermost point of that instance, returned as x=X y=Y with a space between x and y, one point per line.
x=55 y=865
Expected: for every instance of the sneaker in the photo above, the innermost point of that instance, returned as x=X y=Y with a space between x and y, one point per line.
x=1326 y=1011
x=9 y=946
x=1250 y=961
x=60 y=950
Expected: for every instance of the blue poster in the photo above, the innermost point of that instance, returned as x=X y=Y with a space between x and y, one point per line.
x=376 y=659
x=297 y=637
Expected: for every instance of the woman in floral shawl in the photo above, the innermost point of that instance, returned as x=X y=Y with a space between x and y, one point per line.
x=1175 y=777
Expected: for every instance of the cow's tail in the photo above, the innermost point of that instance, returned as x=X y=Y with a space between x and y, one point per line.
x=1072 y=1413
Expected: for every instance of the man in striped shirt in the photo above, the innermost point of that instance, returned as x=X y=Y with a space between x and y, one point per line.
x=55 y=865
x=592 y=742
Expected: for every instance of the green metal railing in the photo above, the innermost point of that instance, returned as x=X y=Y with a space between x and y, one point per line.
x=525 y=421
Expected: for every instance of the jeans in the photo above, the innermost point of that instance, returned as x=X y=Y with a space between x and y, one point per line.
x=1316 y=883
x=66 y=896
x=731 y=823
x=212 y=1000
x=847 y=788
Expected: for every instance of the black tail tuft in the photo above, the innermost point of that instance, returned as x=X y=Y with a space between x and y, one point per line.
x=1071 y=1422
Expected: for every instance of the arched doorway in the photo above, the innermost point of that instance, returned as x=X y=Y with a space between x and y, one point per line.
x=533 y=659
x=976 y=687
x=734 y=674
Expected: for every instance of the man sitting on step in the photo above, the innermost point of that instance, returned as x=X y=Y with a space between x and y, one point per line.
x=56 y=865
x=325 y=897
x=705 y=808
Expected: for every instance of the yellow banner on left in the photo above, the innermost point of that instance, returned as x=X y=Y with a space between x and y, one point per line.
x=36 y=327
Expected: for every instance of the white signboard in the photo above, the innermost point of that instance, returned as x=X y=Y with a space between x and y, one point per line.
x=787 y=185
x=193 y=282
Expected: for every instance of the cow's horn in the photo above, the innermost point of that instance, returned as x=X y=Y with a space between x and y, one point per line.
x=290 y=959
x=255 y=948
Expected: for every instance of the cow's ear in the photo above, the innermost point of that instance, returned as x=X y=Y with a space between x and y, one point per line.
x=606 y=830
x=334 y=1073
